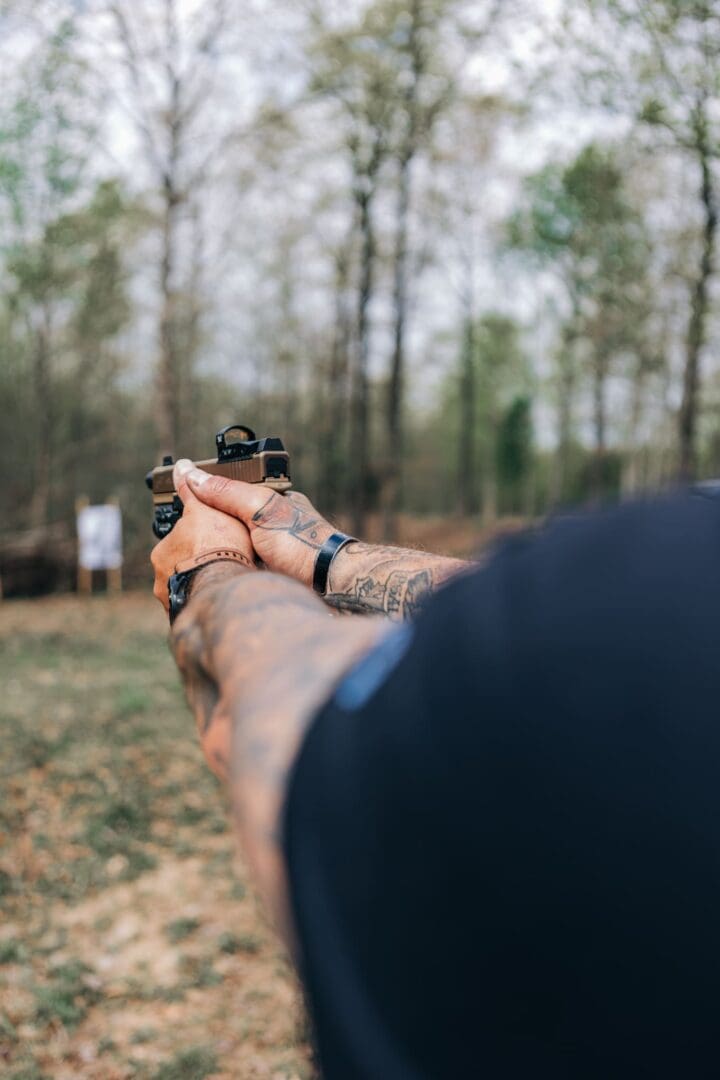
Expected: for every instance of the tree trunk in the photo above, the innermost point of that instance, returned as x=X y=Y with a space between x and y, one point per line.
x=697 y=326
x=169 y=376
x=631 y=475
x=467 y=441
x=393 y=459
x=189 y=391
x=332 y=421
x=489 y=480
x=392 y=477
x=40 y=501
x=167 y=384
x=600 y=424
x=600 y=371
x=359 y=435
x=565 y=424
x=599 y=410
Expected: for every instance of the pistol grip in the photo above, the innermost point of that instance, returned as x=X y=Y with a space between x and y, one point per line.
x=167 y=516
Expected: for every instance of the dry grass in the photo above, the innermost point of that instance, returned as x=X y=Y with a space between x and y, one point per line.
x=130 y=943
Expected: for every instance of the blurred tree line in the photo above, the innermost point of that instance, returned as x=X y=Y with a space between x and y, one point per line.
x=460 y=255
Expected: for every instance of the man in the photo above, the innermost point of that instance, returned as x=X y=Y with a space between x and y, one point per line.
x=491 y=835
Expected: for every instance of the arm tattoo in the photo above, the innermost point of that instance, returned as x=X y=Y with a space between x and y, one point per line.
x=386 y=581
x=259 y=655
x=200 y=689
x=293 y=520
x=399 y=594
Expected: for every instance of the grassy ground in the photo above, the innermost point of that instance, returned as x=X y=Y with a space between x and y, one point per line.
x=130 y=944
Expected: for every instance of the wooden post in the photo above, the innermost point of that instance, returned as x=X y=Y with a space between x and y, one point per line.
x=114 y=576
x=84 y=576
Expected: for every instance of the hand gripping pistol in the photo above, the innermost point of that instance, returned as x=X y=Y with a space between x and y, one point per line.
x=240 y=456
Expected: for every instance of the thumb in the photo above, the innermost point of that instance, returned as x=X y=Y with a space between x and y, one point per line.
x=180 y=473
x=233 y=497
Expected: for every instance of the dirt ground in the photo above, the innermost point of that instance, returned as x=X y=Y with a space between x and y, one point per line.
x=131 y=945
x=130 y=942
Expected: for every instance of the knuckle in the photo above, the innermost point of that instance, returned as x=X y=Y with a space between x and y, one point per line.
x=221 y=485
x=268 y=506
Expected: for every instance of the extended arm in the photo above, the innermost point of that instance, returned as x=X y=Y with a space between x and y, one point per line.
x=287 y=532
x=259 y=654
x=368 y=578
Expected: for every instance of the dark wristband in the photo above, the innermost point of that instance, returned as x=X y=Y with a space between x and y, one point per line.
x=179 y=582
x=325 y=556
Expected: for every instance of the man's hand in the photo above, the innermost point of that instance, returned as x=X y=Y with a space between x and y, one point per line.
x=200 y=529
x=286 y=530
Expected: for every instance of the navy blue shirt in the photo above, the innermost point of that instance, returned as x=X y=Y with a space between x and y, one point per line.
x=503 y=834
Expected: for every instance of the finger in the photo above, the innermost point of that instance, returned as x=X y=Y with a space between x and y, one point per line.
x=233 y=497
x=180 y=474
x=160 y=592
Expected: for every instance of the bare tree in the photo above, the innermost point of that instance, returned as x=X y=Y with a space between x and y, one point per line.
x=352 y=69
x=334 y=390
x=426 y=87
x=419 y=28
x=674 y=54
x=170 y=59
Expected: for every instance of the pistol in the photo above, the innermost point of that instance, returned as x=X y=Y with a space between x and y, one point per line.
x=240 y=456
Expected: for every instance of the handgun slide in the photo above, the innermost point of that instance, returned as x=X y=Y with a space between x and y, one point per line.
x=256 y=461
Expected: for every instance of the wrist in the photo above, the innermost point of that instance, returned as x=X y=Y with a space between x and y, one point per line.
x=325 y=558
x=344 y=567
x=183 y=580
x=302 y=567
x=215 y=573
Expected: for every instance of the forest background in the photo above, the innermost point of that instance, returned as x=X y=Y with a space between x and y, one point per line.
x=460 y=255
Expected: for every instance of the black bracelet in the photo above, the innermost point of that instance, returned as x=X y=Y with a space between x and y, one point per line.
x=180 y=582
x=325 y=556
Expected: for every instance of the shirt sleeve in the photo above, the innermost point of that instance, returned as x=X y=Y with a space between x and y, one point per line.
x=487 y=825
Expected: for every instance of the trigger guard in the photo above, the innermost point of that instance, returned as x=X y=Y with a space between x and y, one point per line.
x=167 y=517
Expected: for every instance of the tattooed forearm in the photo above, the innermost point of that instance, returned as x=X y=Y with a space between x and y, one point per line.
x=259 y=654
x=193 y=657
x=282 y=514
x=387 y=581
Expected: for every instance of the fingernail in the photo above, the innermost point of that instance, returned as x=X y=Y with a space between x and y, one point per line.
x=198 y=477
x=183 y=465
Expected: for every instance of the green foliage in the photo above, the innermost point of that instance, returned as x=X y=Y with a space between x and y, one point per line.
x=45 y=137
x=193 y=1064
x=132 y=701
x=182 y=928
x=70 y=284
x=28 y=1072
x=8 y=1031
x=12 y=952
x=119 y=820
x=580 y=218
x=198 y=972
x=143 y=1035
x=67 y=996
x=236 y=943
x=62 y=242
x=580 y=221
x=374 y=88
x=515 y=443
x=499 y=358
x=120 y=827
